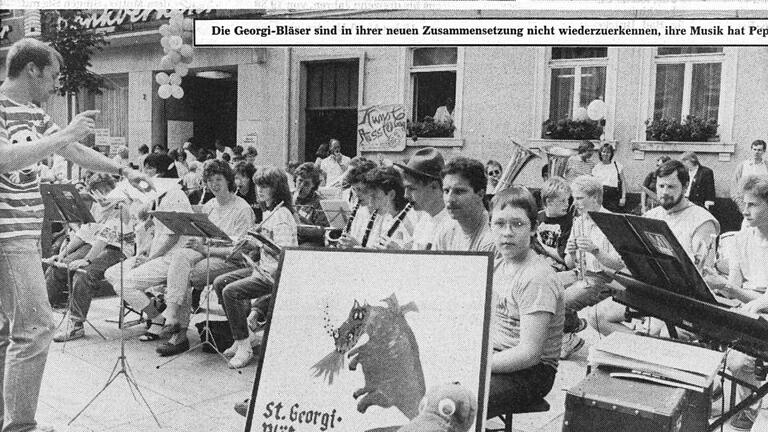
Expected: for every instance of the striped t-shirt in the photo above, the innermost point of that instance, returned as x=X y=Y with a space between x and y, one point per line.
x=21 y=206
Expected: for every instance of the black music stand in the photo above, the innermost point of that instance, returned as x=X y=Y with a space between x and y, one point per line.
x=196 y=225
x=337 y=212
x=64 y=204
x=665 y=272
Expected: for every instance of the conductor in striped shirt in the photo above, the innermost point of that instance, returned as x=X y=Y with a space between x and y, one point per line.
x=27 y=135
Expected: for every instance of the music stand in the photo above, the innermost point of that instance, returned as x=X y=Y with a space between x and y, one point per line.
x=64 y=204
x=337 y=212
x=122 y=360
x=196 y=225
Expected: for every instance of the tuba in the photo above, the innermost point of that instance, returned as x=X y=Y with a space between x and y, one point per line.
x=521 y=155
x=557 y=159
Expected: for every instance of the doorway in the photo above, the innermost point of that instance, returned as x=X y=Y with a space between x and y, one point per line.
x=331 y=108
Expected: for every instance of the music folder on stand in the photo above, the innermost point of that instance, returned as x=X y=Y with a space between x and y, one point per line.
x=196 y=225
x=64 y=204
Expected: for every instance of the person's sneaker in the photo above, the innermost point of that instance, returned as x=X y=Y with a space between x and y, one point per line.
x=231 y=351
x=173 y=346
x=242 y=407
x=70 y=333
x=571 y=344
x=744 y=420
x=242 y=357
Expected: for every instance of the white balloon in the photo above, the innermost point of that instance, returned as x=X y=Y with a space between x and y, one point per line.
x=177 y=92
x=164 y=42
x=186 y=50
x=177 y=20
x=164 y=91
x=175 y=42
x=175 y=58
x=580 y=114
x=162 y=78
x=166 y=62
x=174 y=28
x=177 y=14
x=164 y=29
x=174 y=79
x=187 y=37
x=596 y=110
x=188 y=24
x=181 y=69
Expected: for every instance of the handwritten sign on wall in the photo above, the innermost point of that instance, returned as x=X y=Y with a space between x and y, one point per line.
x=381 y=128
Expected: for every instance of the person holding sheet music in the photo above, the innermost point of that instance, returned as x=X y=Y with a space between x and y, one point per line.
x=424 y=189
x=27 y=135
x=190 y=266
x=528 y=308
x=97 y=247
x=279 y=226
x=150 y=268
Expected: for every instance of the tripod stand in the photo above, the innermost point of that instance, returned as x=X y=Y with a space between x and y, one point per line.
x=196 y=225
x=121 y=366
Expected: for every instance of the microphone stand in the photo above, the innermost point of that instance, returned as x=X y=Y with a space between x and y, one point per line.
x=121 y=366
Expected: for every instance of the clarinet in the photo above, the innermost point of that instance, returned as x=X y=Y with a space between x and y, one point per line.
x=369 y=227
x=351 y=218
x=395 y=225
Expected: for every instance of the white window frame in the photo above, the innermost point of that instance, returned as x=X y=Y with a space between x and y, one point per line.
x=410 y=69
x=728 y=60
x=542 y=87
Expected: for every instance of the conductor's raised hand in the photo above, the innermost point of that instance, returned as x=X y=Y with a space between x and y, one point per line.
x=82 y=125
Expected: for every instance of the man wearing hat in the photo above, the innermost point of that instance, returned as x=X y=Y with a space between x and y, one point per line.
x=424 y=189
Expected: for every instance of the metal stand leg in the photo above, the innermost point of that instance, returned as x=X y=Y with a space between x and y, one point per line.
x=121 y=365
x=206 y=338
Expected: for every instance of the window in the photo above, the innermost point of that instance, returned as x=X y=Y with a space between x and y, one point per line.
x=688 y=82
x=433 y=74
x=577 y=77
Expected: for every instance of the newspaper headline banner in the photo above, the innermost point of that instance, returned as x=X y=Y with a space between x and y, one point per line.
x=335 y=32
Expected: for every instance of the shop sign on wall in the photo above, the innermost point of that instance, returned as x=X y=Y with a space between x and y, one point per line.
x=381 y=128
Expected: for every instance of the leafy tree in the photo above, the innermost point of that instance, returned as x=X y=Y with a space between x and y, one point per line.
x=64 y=30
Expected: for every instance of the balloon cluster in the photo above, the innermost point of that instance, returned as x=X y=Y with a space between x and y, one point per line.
x=177 y=44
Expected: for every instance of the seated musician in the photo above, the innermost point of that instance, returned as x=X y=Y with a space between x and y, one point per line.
x=280 y=228
x=150 y=268
x=190 y=266
x=464 y=183
x=361 y=214
x=693 y=226
x=555 y=220
x=97 y=247
x=748 y=280
x=589 y=253
x=424 y=189
x=528 y=308
x=306 y=198
x=396 y=219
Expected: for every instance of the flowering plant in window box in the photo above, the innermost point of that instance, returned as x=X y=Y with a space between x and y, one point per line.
x=570 y=129
x=429 y=128
x=692 y=129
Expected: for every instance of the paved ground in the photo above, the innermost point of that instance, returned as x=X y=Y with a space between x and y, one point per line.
x=196 y=392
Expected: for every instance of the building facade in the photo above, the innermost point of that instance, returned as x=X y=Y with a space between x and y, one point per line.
x=286 y=101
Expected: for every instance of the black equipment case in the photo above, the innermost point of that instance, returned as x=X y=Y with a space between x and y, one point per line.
x=602 y=403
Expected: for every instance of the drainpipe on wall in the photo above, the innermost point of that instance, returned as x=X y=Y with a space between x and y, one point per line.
x=287 y=106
